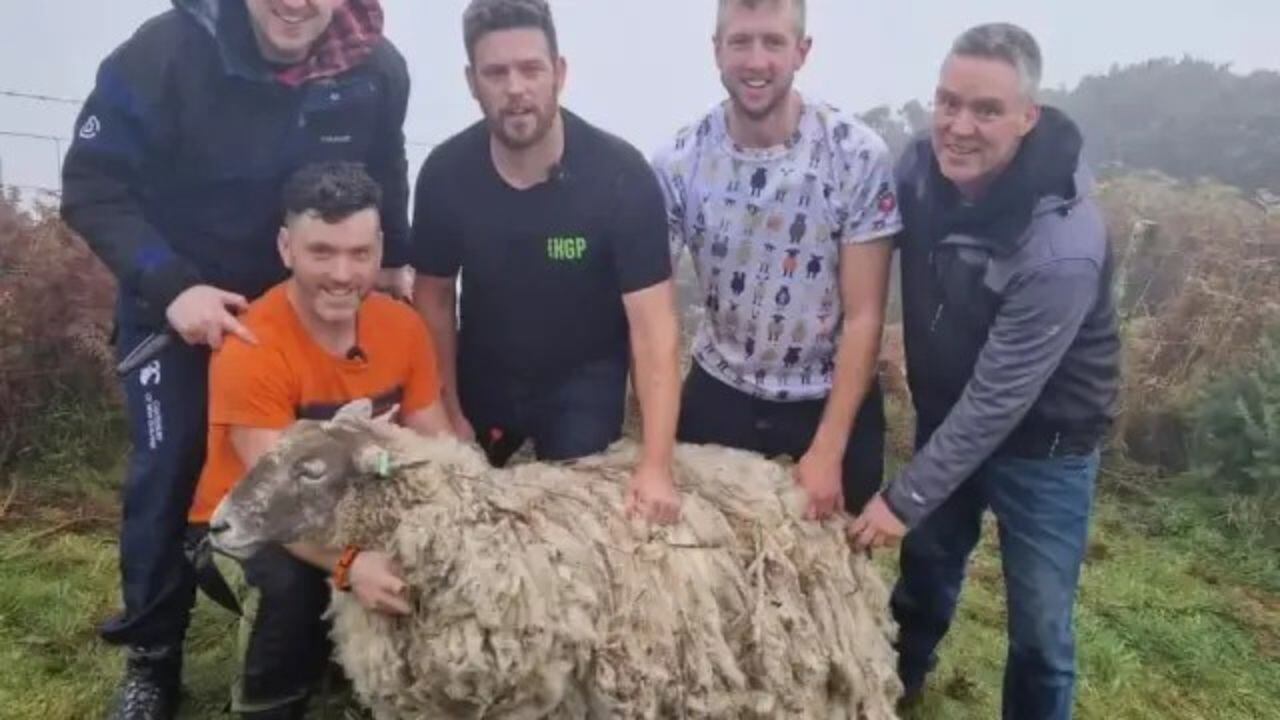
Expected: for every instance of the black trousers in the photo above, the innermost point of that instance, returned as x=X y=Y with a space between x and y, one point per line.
x=289 y=647
x=712 y=412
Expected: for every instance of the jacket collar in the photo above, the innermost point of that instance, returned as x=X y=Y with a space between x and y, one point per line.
x=1046 y=176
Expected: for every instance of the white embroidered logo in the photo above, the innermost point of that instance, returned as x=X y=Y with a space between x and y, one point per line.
x=91 y=128
x=150 y=374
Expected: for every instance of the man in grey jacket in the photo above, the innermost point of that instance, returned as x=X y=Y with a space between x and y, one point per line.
x=1013 y=362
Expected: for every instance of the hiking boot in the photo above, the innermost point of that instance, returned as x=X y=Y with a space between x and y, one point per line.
x=151 y=687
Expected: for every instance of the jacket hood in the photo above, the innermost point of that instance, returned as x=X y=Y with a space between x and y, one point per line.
x=1045 y=176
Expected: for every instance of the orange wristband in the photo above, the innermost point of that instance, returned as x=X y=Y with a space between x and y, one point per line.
x=342 y=570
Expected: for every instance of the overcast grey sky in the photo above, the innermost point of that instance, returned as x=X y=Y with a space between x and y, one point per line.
x=641 y=68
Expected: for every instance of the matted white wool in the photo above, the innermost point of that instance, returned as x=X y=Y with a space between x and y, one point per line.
x=534 y=597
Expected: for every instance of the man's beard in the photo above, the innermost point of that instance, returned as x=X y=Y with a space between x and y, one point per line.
x=543 y=119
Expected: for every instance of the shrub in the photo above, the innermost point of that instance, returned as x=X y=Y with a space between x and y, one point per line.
x=1198 y=282
x=1237 y=441
x=57 y=394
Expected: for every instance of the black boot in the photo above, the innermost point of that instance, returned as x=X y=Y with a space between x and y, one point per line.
x=152 y=684
x=913 y=685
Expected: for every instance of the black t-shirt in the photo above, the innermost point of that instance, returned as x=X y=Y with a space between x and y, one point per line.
x=543 y=269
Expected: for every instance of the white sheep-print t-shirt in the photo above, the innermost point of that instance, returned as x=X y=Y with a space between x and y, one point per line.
x=764 y=228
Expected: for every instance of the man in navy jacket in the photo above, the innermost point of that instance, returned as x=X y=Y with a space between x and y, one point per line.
x=174 y=180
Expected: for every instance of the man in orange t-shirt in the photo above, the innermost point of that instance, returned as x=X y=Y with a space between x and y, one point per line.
x=324 y=339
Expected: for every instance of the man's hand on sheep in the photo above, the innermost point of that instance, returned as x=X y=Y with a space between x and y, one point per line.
x=877 y=526
x=376 y=582
x=652 y=494
x=819 y=473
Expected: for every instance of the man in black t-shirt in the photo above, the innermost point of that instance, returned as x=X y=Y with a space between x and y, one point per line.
x=559 y=232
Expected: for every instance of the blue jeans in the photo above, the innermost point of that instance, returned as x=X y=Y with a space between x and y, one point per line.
x=1042 y=510
x=166 y=402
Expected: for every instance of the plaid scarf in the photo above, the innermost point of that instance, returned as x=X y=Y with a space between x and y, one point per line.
x=349 y=41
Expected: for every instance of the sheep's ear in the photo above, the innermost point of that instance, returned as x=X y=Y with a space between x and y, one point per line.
x=359 y=411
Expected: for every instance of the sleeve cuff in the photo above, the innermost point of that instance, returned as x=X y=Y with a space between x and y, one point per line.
x=908 y=512
x=887 y=232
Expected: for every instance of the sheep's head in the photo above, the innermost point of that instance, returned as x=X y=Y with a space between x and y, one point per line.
x=291 y=492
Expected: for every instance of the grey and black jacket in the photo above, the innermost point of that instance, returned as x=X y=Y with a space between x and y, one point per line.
x=1008 y=319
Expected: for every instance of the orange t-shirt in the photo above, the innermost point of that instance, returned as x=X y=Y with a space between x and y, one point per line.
x=288 y=377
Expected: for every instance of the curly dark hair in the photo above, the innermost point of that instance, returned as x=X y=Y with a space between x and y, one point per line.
x=334 y=191
x=485 y=16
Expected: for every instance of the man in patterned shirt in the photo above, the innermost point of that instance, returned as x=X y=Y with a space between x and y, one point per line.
x=787 y=208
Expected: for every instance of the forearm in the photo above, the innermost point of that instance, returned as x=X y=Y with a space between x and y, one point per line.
x=1035 y=328
x=857 y=357
x=974 y=428
x=437 y=306
x=432 y=421
x=656 y=348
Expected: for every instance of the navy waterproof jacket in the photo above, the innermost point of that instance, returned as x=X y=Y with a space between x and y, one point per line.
x=175 y=174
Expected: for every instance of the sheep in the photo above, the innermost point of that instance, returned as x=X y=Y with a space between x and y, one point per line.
x=535 y=596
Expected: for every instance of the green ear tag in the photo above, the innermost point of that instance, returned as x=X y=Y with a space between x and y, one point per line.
x=384 y=464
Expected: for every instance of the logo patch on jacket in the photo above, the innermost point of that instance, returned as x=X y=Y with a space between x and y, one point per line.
x=91 y=127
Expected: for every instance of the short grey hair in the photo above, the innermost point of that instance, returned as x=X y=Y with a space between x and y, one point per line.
x=1008 y=43
x=797 y=9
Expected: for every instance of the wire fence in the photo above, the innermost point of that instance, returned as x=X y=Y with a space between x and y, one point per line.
x=58 y=144
x=19 y=95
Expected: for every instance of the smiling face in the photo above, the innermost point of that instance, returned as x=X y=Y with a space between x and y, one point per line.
x=334 y=264
x=981 y=114
x=517 y=79
x=759 y=50
x=286 y=29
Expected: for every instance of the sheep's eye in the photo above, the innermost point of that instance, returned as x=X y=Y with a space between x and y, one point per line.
x=312 y=470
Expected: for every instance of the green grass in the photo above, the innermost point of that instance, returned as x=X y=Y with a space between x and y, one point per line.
x=1169 y=625
x=1178 y=617
x=54 y=591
